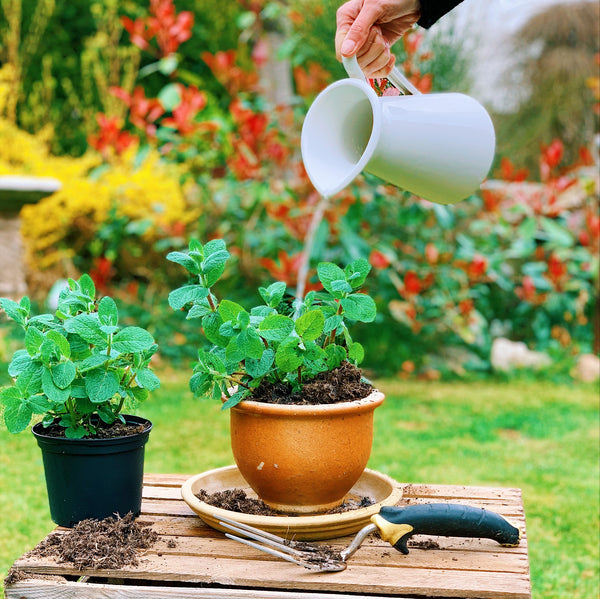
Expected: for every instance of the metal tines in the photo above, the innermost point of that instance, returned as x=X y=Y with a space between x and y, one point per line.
x=313 y=557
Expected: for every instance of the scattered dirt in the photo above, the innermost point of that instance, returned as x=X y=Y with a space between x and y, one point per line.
x=341 y=384
x=236 y=500
x=317 y=555
x=92 y=544
x=426 y=544
x=104 y=431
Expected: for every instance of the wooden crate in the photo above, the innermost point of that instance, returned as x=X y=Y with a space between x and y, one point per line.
x=204 y=564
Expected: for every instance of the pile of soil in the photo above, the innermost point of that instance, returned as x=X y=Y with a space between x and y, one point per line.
x=92 y=544
x=343 y=383
x=236 y=500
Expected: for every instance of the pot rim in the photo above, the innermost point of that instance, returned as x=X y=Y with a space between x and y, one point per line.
x=357 y=406
x=37 y=430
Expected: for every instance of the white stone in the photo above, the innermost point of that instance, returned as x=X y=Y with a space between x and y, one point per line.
x=587 y=368
x=507 y=355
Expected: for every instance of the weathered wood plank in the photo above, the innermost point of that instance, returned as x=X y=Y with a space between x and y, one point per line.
x=38 y=589
x=360 y=579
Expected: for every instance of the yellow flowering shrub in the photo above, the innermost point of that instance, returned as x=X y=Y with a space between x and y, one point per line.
x=61 y=224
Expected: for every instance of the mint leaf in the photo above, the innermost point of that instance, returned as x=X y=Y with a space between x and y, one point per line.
x=332 y=323
x=52 y=391
x=87 y=326
x=229 y=310
x=86 y=284
x=14 y=311
x=199 y=310
x=335 y=355
x=63 y=374
x=20 y=363
x=258 y=368
x=101 y=385
x=201 y=383
x=131 y=340
x=356 y=353
x=188 y=294
x=184 y=260
x=235 y=399
x=289 y=356
x=340 y=287
x=214 y=265
x=147 y=379
x=108 y=312
x=38 y=404
x=92 y=362
x=61 y=342
x=33 y=340
x=211 y=323
x=140 y=394
x=17 y=413
x=273 y=294
x=30 y=382
x=357 y=271
x=276 y=327
x=359 y=307
x=328 y=273
x=310 y=325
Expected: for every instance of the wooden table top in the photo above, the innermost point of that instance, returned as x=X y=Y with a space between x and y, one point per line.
x=202 y=563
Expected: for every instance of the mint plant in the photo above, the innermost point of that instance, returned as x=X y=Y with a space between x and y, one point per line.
x=79 y=367
x=274 y=341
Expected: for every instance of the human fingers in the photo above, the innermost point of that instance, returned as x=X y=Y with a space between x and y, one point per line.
x=385 y=70
x=345 y=16
x=359 y=30
x=374 y=54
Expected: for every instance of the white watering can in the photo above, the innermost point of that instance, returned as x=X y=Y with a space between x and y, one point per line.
x=437 y=146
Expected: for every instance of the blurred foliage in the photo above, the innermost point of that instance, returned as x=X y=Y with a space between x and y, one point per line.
x=557 y=51
x=193 y=148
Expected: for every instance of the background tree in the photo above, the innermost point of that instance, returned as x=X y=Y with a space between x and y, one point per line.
x=557 y=48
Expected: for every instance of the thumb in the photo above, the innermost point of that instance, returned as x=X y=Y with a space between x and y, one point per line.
x=359 y=31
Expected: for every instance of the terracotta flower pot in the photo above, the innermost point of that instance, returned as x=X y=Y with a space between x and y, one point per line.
x=303 y=459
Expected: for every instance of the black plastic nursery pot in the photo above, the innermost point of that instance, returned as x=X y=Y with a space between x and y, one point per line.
x=93 y=478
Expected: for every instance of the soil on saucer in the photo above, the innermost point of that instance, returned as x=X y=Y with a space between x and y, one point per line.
x=236 y=500
x=93 y=544
x=103 y=430
x=343 y=383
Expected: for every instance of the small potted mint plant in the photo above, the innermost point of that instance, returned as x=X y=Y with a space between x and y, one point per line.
x=77 y=372
x=301 y=413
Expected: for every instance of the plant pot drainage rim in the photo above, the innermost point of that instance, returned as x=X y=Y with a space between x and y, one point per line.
x=383 y=489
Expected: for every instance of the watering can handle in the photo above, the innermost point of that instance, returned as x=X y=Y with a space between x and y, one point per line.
x=395 y=77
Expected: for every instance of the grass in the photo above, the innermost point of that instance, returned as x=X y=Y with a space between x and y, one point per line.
x=540 y=437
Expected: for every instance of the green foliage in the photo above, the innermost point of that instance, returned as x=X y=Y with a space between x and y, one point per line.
x=266 y=343
x=78 y=365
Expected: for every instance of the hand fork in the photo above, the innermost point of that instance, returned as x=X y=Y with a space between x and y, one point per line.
x=394 y=525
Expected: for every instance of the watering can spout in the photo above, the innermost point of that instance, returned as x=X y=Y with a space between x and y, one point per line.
x=437 y=146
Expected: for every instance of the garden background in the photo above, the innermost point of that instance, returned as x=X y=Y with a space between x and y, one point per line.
x=168 y=120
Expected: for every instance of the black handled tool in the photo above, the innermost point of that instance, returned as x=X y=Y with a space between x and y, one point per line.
x=394 y=524
x=397 y=524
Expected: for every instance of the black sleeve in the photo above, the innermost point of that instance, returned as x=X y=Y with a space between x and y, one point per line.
x=432 y=10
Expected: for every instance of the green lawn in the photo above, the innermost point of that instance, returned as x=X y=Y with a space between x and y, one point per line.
x=541 y=437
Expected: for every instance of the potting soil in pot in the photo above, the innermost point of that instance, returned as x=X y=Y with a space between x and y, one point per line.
x=343 y=383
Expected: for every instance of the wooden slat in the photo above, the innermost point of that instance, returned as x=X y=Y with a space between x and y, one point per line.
x=77 y=590
x=201 y=555
x=436 y=582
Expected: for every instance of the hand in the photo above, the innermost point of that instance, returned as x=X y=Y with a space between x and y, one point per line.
x=368 y=28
